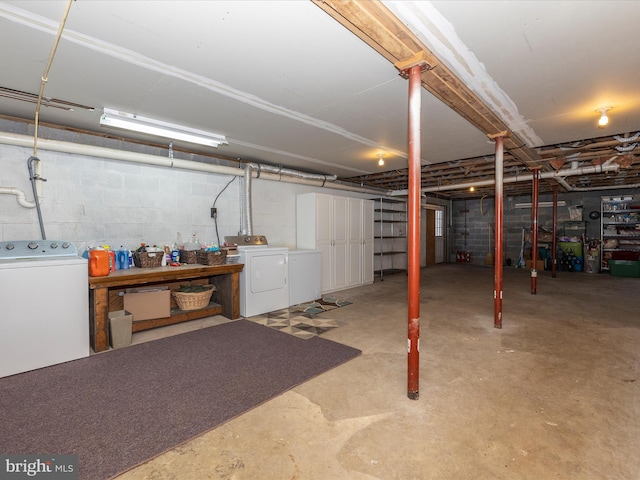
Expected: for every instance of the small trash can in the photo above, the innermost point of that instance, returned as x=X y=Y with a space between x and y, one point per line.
x=120 y=328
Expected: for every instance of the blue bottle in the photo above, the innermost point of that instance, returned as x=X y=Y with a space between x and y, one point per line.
x=123 y=258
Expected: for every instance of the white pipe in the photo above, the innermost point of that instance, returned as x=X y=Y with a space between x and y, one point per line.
x=569 y=188
x=143 y=158
x=247 y=228
x=519 y=178
x=20 y=196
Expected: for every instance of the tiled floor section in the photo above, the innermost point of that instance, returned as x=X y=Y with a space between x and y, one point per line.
x=302 y=320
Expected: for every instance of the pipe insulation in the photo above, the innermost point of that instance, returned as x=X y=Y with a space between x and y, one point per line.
x=560 y=174
x=265 y=172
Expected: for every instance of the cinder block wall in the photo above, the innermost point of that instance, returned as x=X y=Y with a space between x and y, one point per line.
x=472 y=219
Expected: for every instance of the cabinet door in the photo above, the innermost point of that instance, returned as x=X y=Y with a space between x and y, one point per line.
x=326 y=254
x=340 y=252
x=340 y=262
x=354 y=273
x=324 y=219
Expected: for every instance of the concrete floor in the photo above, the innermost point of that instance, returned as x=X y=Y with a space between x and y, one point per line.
x=553 y=394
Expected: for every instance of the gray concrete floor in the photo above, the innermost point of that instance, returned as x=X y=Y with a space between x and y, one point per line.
x=553 y=394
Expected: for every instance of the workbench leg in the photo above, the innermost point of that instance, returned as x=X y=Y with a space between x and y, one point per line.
x=228 y=293
x=99 y=329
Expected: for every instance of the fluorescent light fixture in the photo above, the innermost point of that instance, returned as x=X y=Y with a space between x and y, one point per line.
x=137 y=123
x=561 y=203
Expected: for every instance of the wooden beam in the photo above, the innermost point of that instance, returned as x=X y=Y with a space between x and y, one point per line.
x=374 y=24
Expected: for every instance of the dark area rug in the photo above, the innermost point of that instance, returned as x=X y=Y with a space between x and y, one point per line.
x=121 y=408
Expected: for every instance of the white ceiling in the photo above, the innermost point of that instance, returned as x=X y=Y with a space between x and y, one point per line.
x=288 y=85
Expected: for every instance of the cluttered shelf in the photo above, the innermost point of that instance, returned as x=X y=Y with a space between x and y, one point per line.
x=620 y=230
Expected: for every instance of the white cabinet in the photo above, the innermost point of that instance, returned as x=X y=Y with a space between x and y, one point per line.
x=334 y=225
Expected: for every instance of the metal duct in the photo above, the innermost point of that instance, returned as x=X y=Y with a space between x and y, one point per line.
x=519 y=178
x=247 y=228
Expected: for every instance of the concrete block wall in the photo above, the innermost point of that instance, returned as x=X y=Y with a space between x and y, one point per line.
x=470 y=229
x=93 y=201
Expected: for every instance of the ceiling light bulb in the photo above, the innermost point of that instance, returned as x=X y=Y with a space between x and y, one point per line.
x=472 y=189
x=380 y=159
x=604 y=119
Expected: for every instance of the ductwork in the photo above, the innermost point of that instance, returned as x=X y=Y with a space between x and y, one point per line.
x=247 y=228
x=520 y=178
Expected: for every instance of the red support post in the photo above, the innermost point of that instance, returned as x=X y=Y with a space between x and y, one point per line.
x=534 y=233
x=554 y=226
x=413 y=232
x=497 y=257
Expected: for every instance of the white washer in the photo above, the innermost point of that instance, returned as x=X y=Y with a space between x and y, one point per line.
x=305 y=276
x=264 y=282
x=44 y=305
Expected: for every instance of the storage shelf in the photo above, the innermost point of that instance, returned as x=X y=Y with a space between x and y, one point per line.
x=609 y=222
x=178 y=316
x=390 y=249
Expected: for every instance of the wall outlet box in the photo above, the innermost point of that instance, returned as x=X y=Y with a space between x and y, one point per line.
x=214 y=212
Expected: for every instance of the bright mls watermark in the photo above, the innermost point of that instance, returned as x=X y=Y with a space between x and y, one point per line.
x=43 y=467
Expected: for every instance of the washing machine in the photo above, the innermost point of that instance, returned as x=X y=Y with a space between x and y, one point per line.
x=264 y=280
x=44 y=305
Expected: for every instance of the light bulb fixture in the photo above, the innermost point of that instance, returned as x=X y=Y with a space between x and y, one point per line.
x=472 y=189
x=604 y=119
x=380 y=159
x=136 y=123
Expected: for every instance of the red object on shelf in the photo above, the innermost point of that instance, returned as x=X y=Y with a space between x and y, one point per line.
x=625 y=255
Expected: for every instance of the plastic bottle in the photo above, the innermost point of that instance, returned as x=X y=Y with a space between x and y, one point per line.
x=98 y=262
x=123 y=258
x=112 y=258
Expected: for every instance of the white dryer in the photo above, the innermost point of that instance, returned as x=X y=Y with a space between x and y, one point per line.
x=264 y=280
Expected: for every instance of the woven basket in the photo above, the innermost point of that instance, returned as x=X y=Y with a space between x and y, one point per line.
x=212 y=258
x=193 y=301
x=147 y=259
x=189 y=256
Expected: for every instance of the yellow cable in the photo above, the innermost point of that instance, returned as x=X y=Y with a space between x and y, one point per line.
x=45 y=76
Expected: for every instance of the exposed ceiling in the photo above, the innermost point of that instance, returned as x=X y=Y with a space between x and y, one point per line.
x=312 y=85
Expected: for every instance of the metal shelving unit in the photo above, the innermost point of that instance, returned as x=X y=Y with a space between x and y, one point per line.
x=619 y=228
x=390 y=250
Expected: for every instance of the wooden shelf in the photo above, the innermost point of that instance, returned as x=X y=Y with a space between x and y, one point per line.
x=178 y=316
x=104 y=296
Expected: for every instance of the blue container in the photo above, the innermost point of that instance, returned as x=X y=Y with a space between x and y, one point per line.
x=122 y=258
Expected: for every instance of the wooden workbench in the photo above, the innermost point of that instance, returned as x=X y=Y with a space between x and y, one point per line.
x=105 y=295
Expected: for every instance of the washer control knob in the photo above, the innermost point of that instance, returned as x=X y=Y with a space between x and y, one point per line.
x=247 y=239
x=32 y=245
x=10 y=246
x=53 y=245
x=65 y=245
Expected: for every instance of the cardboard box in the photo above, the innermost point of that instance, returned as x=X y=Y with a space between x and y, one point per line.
x=147 y=303
x=539 y=263
x=120 y=328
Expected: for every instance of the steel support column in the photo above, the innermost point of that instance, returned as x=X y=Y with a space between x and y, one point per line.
x=413 y=342
x=497 y=256
x=553 y=232
x=534 y=233
x=412 y=69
